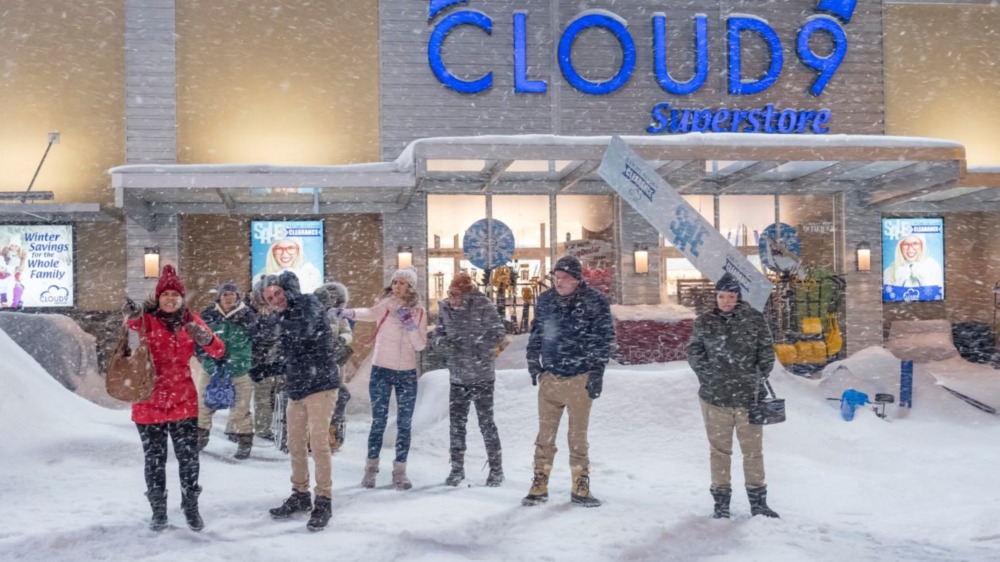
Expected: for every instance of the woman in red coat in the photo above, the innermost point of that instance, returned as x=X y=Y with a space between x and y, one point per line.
x=172 y=332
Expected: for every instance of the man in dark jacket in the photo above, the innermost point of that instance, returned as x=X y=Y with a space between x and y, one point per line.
x=569 y=347
x=731 y=351
x=311 y=380
x=468 y=330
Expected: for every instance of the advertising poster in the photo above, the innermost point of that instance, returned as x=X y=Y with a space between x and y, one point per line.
x=36 y=266
x=296 y=246
x=913 y=256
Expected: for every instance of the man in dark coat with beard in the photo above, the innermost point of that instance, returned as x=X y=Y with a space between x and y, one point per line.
x=731 y=351
x=311 y=380
x=569 y=346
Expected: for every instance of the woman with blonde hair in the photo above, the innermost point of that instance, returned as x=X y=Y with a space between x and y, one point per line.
x=288 y=254
x=912 y=266
x=400 y=335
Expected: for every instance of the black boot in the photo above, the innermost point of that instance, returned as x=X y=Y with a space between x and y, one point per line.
x=722 y=497
x=320 y=514
x=189 y=504
x=758 y=502
x=243 y=445
x=203 y=435
x=298 y=502
x=158 y=501
x=457 y=469
x=496 y=470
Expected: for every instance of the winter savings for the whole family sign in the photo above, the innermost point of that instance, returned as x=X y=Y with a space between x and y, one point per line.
x=826 y=27
x=36 y=266
x=638 y=183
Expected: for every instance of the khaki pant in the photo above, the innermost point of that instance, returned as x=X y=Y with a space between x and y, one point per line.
x=719 y=425
x=263 y=406
x=309 y=424
x=239 y=421
x=554 y=395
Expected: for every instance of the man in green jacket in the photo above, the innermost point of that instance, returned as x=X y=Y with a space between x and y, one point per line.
x=233 y=322
x=731 y=351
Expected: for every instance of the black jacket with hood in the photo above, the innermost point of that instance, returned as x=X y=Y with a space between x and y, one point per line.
x=306 y=343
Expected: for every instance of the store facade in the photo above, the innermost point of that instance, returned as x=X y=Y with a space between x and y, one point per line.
x=545 y=82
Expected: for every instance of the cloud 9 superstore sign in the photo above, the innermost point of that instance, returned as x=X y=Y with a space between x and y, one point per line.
x=829 y=20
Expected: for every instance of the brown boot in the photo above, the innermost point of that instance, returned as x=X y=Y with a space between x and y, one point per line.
x=371 y=469
x=581 y=488
x=244 y=443
x=539 y=492
x=335 y=442
x=399 y=478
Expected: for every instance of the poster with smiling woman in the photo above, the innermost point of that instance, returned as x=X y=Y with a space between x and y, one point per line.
x=913 y=253
x=296 y=246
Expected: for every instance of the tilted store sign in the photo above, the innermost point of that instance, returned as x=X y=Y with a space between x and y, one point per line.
x=666 y=118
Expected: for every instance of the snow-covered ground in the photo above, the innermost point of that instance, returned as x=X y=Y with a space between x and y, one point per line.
x=916 y=487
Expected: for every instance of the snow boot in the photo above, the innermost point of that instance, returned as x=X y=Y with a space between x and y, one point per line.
x=399 y=478
x=336 y=436
x=758 y=502
x=158 y=501
x=203 y=435
x=298 y=502
x=243 y=446
x=495 y=477
x=189 y=504
x=721 y=496
x=581 y=489
x=371 y=469
x=539 y=492
x=320 y=516
x=457 y=470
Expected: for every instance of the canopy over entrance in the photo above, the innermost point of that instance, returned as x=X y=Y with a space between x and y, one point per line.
x=890 y=173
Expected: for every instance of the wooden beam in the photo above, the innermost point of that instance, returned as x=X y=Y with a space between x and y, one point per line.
x=687 y=175
x=825 y=174
x=577 y=174
x=744 y=175
x=227 y=199
x=494 y=174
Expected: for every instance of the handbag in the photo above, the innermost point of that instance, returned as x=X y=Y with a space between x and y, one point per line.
x=131 y=374
x=220 y=394
x=766 y=411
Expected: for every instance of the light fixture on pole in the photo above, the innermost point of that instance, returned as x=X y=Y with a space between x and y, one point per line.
x=404 y=256
x=864 y=257
x=151 y=263
x=641 y=254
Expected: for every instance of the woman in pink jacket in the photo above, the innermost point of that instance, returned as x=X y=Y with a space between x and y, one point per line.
x=172 y=331
x=399 y=337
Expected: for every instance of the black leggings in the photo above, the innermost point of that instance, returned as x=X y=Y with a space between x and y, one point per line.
x=184 y=434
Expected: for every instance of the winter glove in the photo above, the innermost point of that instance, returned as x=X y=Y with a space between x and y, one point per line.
x=534 y=369
x=595 y=382
x=200 y=334
x=336 y=314
x=130 y=310
x=405 y=315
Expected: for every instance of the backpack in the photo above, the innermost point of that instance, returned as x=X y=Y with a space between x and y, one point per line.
x=220 y=394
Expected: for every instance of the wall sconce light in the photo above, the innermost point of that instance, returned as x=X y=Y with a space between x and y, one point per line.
x=151 y=263
x=864 y=257
x=404 y=256
x=641 y=254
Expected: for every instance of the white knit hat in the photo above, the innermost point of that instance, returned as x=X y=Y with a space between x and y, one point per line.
x=407 y=274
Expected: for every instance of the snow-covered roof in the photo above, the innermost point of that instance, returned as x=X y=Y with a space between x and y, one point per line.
x=888 y=170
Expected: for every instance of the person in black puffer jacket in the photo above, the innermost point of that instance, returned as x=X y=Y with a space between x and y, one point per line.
x=311 y=380
x=569 y=346
x=731 y=352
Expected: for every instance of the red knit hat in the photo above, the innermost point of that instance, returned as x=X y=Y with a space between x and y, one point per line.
x=169 y=281
x=462 y=282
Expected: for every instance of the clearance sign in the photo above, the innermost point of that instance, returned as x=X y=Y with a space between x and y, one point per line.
x=826 y=27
